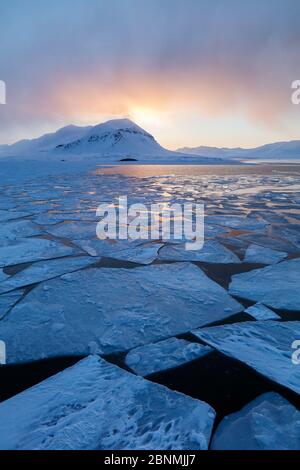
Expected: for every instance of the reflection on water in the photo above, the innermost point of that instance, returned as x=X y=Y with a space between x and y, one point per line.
x=144 y=171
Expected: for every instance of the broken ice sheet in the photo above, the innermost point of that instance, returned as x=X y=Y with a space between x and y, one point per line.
x=18 y=229
x=7 y=301
x=44 y=270
x=261 y=312
x=74 y=230
x=268 y=423
x=109 y=310
x=6 y=215
x=62 y=413
x=211 y=252
x=164 y=355
x=52 y=218
x=265 y=346
x=32 y=249
x=276 y=286
x=269 y=242
x=136 y=251
x=237 y=222
x=262 y=255
x=3 y=276
x=290 y=233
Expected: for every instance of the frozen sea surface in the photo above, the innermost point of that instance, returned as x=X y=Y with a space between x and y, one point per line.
x=164 y=355
x=276 y=286
x=96 y=405
x=265 y=346
x=268 y=423
x=110 y=310
x=48 y=230
x=261 y=312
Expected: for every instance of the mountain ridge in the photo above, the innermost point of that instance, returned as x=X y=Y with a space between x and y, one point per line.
x=276 y=150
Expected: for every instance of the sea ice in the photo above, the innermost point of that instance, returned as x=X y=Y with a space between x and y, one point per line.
x=268 y=423
x=237 y=222
x=261 y=312
x=96 y=405
x=262 y=255
x=290 y=233
x=32 y=249
x=136 y=251
x=164 y=355
x=276 y=286
x=6 y=215
x=7 y=301
x=45 y=270
x=107 y=310
x=74 y=230
x=212 y=252
x=3 y=276
x=265 y=346
x=17 y=229
x=269 y=242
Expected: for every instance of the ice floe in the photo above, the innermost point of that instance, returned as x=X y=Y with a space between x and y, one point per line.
x=265 y=346
x=269 y=242
x=261 y=312
x=26 y=250
x=237 y=222
x=96 y=405
x=107 y=310
x=44 y=270
x=6 y=215
x=164 y=355
x=18 y=229
x=276 y=286
x=212 y=252
x=136 y=251
x=3 y=276
x=268 y=423
x=74 y=230
x=262 y=255
x=7 y=301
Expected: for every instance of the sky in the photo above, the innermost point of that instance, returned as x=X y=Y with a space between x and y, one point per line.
x=191 y=72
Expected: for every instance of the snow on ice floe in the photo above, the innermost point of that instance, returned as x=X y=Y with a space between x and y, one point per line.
x=262 y=255
x=106 y=310
x=268 y=423
x=25 y=250
x=212 y=252
x=261 y=312
x=96 y=405
x=164 y=355
x=133 y=251
x=7 y=301
x=265 y=346
x=276 y=286
x=45 y=270
x=237 y=222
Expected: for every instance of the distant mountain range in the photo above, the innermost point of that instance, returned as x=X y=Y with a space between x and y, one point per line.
x=276 y=151
x=122 y=139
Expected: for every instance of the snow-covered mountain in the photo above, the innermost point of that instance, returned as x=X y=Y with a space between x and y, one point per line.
x=45 y=143
x=280 y=151
x=118 y=137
